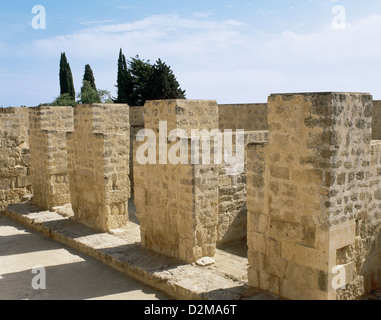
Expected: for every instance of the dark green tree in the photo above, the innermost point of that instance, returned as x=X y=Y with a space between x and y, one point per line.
x=124 y=83
x=164 y=84
x=66 y=77
x=139 y=81
x=89 y=76
x=88 y=94
x=63 y=100
x=141 y=76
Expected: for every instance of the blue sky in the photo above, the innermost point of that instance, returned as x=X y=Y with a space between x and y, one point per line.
x=229 y=51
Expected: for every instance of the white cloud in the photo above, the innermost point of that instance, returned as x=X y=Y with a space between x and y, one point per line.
x=222 y=60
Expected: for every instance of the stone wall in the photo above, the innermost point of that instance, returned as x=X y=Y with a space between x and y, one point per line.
x=307 y=195
x=232 y=211
x=248 y=117
x=136 y=124
x=48 y=154
x=177 y=204
x=367 y=250
x=98 y=163
x=308 y=199
x=14 y=156
x=376 y=123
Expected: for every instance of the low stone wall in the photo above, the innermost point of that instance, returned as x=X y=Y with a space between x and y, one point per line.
x=14 y=156
x=248 y=117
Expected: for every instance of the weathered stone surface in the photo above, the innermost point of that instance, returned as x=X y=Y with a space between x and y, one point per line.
x=98 y=165
x=308 y=198
x=48 y=155
x=14 y=156
x=178 y=204
x=248 y=117
x=317 y=183
x=205 y=262
x=224 y=280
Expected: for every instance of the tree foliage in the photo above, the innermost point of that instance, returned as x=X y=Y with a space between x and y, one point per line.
x=139 y=81
x=123 y=80
x=88 y=94
x=164 y=83
x=89 y=76
x=64 y=100
x=66 y=77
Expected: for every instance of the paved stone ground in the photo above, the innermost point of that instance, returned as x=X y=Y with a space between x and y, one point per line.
x=121 y=249
x=70 y=275
x=80 y=267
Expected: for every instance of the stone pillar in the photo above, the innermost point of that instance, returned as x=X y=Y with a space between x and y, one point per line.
x=48 y=155
x=177 y=204
x=14 y=156
x=98 y=163
x=305 y=191
x=232 y=213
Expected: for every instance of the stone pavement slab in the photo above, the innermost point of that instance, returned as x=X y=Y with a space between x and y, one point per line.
x=121 y=249
x=68 y=274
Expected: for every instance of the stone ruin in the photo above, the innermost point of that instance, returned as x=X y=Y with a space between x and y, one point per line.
x=307 y=202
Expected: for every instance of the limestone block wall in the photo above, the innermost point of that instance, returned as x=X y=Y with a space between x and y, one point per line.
x=376 y=123
x=306 y=190
x=14 y=156
x=367 y=250
x=249 y=117
x=48 y=154
x=177 y=204
x=136 y=124
x=232 y=211
x=98 y=164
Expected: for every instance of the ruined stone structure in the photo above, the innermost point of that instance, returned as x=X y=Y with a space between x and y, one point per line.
x=308 y=198
x=14 y=156
x=232 y=192
x=48 y=153
x=312 y=198
x=178 y=204
x=98 y=165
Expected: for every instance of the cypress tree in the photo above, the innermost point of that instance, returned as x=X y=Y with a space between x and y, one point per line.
x=66 y=77
x=89 y=76
x=122 y=79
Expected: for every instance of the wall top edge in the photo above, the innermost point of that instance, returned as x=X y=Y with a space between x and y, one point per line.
x=319 y=93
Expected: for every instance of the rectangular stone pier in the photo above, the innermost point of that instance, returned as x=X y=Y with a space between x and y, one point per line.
x=177 y=204
x=48 y=155
x=311 y=211
x=98 y=162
